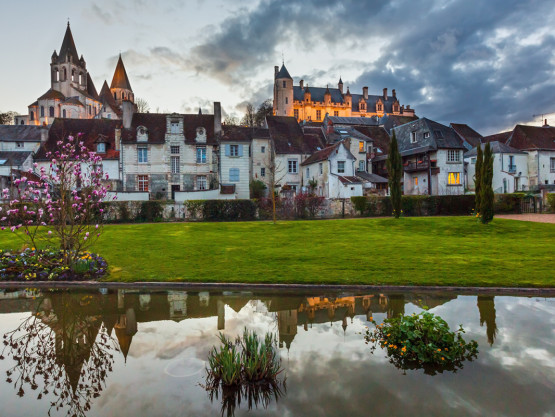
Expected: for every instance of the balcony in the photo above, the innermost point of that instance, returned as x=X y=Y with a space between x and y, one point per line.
x=512 y=169
x=421 y=165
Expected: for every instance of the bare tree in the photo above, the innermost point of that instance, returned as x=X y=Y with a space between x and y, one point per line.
x=8 y=118
x=249 y=119
x=142 y=105
x=231 y=120
x=265 y=109
x=275 y=175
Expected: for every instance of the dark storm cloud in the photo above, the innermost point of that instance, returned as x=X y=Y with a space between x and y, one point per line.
x=489 y=64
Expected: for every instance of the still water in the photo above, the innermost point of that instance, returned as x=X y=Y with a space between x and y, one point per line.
x=140 y=353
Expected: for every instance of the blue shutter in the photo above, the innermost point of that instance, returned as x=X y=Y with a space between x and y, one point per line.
x=227 y=150
x=240 y=150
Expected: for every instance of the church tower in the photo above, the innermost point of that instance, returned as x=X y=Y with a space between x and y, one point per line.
x=68 y=71
x=283 y=92
x=120 y=87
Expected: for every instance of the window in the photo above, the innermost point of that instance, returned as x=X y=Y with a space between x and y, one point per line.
x=142 y=155
x=51 y=111
x=32 y=115
x=262 y=149
x=318 y=114
x=90 y=109
x=415 y=179
x=473 y=161
x=174 y=127
x=142 y=182
x=361 y=166
x=552 y=164
x=292 y=166
x=262 y=172
x=426 y=135
x=296 y=113
x=175 y=150
x=361 y=146
x=115 y=96
x=412 y=137
x=201 y=182
x=286 y=100
x=101 y=148
x=321 y=166
x=233 y=150
x=234 y=174
x=175 y=164
x=454 y=178
x=453 y=156
x=380 y=107
x=307 y=172
x=284 y=84
x=201 y=155
x=340 y=167
x=336 y=113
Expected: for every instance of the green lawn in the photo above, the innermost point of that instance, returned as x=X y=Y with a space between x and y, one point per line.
x=408 y=251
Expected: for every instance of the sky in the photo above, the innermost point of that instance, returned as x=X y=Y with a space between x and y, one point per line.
x=490 y=64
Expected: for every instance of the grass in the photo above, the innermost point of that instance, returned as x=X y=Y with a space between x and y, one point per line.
x=409 y=251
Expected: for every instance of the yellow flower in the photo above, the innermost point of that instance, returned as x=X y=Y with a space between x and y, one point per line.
x=442 y=359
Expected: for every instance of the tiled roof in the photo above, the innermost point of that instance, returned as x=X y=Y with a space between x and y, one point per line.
x=532 y=137
x=120 y=79
x=467 y=133
x=378 y=135
x=20 y=133
x=315 y=131
x=243 y=134
x=439 y=137
x=288 y=137
x=90 y=128
x=496 y=147
x=52 y=95
x=193 y=121
x=499 y=137
x=349 y=180
x=73 y=101
x=107 y=99
x=13 y=158
x=322 y=155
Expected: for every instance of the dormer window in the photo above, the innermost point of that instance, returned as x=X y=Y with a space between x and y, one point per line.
x=201 y=135
x=426 y=135
x=142 y=134
x=100 y=148
x=174 y=127
x=412 y=137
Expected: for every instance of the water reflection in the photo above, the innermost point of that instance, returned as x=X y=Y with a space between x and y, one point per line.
x=82 y=336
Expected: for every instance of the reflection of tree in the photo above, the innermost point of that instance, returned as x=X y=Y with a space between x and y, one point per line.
x=486 y=306
x=65 y=349
x=395 y=306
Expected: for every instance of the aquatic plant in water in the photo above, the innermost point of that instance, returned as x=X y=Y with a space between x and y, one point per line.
x=247 y=368
x=422 y=341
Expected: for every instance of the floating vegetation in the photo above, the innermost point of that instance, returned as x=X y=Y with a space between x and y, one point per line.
x=422 y=341
x=246 y=369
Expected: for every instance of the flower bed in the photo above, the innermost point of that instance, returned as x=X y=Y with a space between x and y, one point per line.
x=48 y=265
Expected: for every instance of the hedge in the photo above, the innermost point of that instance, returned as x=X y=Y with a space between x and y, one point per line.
x=228 y=210
x=416 y=205
x=551 y=202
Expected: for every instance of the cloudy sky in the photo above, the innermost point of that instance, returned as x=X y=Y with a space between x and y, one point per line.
x=490 y=64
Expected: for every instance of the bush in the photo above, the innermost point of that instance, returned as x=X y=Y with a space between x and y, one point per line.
x=551 y=202
x=451 y=205
x=508 y=203
x=151 y=211
x=360 y=204
x=228 y=210
x=257 y=189
x=123 y=212
x=422 y=341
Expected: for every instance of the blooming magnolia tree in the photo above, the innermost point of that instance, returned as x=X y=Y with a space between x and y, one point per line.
x=62 y=207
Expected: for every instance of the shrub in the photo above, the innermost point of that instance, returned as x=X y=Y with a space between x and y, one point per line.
x=508 y=203
x=151 y=211
x=551 y=202
x=257 y=189
x=360 y=204
x=451 y=205
x=123 y=211
x=228 y=210
x=422 y=340
x=194 y=207
x=314 y=204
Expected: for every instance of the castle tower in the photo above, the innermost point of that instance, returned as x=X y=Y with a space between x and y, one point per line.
x=283 y=92
x=68 y=71
x=340 y=85
x=121 y=87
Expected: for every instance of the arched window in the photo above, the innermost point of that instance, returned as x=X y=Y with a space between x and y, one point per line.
x=51 y=111
x=115 y=96
x=65 y=75
x=22 y=122
x=73 y=75
x=64 y=113
x=56 y=75
x=32 y=115
x=41 y=111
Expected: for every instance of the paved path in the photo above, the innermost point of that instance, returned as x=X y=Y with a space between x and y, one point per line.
x=539 y=218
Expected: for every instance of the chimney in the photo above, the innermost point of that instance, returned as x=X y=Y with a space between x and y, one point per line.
x=218 y=118
x=117 y=137
x=408 y=106
x=43 y=134
x=301 y=83
x=128 y=110
x=545 y=123
x=394 y=94
x=385 y=93
x=276 y=70
x=365 y=92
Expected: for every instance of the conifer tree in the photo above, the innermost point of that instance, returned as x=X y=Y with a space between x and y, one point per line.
x=486 y=189
x=478 y=177
x=395 y=172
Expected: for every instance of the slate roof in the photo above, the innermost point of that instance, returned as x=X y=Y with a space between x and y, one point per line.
x=379 y=136
x=368 y=177
x=359 y=121
x=107 y=99
x=500 y=137
x=13 y=158
x=242 y=133
x=52 y=95
x=283 y=73
x=440 y=137
x=389 y=121
x=317 y=94
x=496 y=147
x=120 y=79
x=288 y=137
x=467 y=133
x=68 y=47
x=532 y=138
x=91 y=89
x=344 y=132
x=90 y=128
x=20 y=133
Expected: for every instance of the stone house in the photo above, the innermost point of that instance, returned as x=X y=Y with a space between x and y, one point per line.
x=333 y=171
x=432 y=156
x=22 y=138
x=261 y=155
x=510 y=168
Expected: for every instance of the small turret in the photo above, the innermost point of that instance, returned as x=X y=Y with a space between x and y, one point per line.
x=54 y=57
x=307 y=96
x=348 y=98
x=327 y=96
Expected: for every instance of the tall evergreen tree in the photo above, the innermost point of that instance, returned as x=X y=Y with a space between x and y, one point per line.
x=486 y=189
x=478 y=177
x=395 y=172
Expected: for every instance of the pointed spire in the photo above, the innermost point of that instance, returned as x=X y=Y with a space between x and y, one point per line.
x=68 y=47
x=327 y=89
x=199 y=111
x=120 y=79
x=283 y=73
x=340 y=80
x=348 y=92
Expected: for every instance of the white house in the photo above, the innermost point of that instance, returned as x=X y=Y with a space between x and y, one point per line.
x=235 y=161
x=510 y=168
x=22 y=137
x=331 y=172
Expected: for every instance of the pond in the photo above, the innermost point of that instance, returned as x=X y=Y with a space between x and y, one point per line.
x=114 y=352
